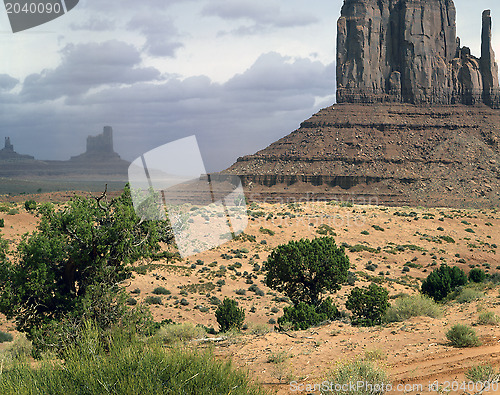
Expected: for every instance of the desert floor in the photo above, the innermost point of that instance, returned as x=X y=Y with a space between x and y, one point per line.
x=386 y=238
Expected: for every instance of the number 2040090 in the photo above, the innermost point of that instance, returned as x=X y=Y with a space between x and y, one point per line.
x=33 y=8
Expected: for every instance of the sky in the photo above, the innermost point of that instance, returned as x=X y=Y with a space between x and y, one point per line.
x=238 y=74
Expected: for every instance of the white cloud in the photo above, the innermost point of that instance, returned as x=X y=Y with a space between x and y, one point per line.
x=265 y=15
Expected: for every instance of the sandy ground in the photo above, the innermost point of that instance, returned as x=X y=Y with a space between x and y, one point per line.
x=414 y=352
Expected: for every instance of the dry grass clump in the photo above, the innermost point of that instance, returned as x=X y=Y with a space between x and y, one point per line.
x=488 y=318
x=408 y=306
x=373 y=377
x=175 y=333
x=462 y=336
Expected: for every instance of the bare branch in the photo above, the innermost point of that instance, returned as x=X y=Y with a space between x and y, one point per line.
x=103 y=196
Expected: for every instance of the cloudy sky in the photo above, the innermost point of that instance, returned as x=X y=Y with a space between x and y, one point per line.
x=238 y=74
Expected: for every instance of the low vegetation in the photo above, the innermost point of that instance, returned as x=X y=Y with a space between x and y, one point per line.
x=468 y=294
x=483 y=374
x=125 y=365
x=368 y=372
x=408 y=306
x=175 y=333
x=488 y=318
x=462 y=336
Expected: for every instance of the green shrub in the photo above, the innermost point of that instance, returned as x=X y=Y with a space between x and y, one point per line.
x=2 y=223
x=303 y=315
x=443 y=281
x=161 y=291
x=30 y=205
x=13 y=211
x=462 y=336
x=368 y=305
x=373 y=377
x=153 y=300
x=448 y=239
x=266 y=231
x=131 y=301
x=409 y=306
x=229 y=315
x=477 y=275
x=488 y=318
x=85 y=248
x=303 y=269
x=5 y=337
x=326 y=230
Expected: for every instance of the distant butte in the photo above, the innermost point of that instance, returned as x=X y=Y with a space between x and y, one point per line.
x=417 y=119
x=99 y=147
x=7 y=153
x=99 y=159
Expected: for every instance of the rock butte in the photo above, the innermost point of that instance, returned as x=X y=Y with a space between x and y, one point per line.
x=98 y=159
x=417 y=119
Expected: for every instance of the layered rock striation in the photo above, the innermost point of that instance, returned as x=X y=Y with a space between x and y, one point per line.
x=408 y=51
x=399 y=154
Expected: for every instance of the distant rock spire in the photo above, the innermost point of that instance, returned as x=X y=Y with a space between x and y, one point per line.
x=8 y=153
x=8 y=145
x=489 y=69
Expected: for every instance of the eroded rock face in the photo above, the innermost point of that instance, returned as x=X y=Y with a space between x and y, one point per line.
x=408 y=51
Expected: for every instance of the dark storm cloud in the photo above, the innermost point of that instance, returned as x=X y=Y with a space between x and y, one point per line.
x=7 y=82
x=235 y=118
x=264 y=15
x=161 y=34
x=87 y=66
